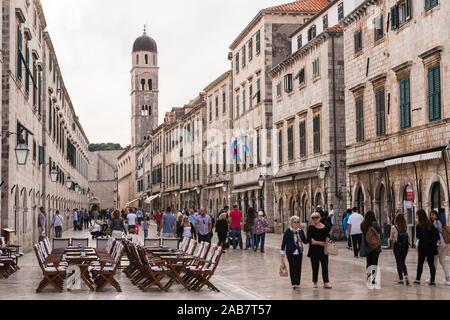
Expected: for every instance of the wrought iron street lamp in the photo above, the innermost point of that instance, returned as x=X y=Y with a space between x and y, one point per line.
x=321 y=172
x=54 y=174
x=22 y=151
x=69 y=183
x=224 y=187
x=261 y=181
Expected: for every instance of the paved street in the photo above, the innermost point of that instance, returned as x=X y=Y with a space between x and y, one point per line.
x=246 y=275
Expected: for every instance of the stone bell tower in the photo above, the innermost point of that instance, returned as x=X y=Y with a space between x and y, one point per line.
x=144 y=89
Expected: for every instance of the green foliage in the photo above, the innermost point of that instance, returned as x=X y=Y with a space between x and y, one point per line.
x=104 y=146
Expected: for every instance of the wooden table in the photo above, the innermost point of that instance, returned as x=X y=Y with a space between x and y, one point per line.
x=83 y=263
x=177 y=268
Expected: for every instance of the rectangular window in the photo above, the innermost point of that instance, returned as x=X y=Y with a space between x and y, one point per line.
x=405 y=104
x=224 y=160
x=244 y=101
x=258 y=42
x=400 y=14
x=434 y=93
x=288 y=83
x=299 y=42
x=217 y=107
x=250 y=49
x=325 y=22
x=41 y=155
x=224 y=106
x=380 y=112
x=243 y=57
x=258 y=148
x=278 y=89
x=341 y=11
x=258 y=90
x=250 y=96
x=50 y=62
x=34 y=150
x=27 y=68
x=358 y=41
x=378 y=24
x=316 y=68
x=19 y=53
x=316 y=132
x=301 y=76
x=359 y=120
x=237 y=62
x=280 y=146
x=290 y=141
x=312 y=32
x=430 y=4
x=210 y=111
x=237 y=104
x=302 y=131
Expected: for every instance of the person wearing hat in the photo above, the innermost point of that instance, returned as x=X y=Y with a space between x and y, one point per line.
x=261 y=224
x=292 y=247
x=318 y=236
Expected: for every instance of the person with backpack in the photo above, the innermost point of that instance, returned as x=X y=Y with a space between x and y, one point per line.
x=428 y=238
x=399 y=236
x=371 y=241
x=345 y=225
x=442 y=244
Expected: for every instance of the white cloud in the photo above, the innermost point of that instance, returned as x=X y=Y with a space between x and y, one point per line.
x=93 y=41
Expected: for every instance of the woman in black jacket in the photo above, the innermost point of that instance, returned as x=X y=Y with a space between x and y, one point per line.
x=222 y=229
x=372 y=254
x=427 y=235
x=318 y=236
x=293 y=248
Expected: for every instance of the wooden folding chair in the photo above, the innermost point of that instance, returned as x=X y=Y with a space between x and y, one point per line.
x=205 y=271
x=7 y=264
x=61 y=243
x=102 y=243
x=52 y=274
x=152 y=242
x=171 y=243
x=104 y=275
x=191 y=247
x=154 y=271
x=83 y=241
x=183 y=244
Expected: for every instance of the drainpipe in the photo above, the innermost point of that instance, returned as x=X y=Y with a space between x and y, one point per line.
x=446 y=175
x=334 y=117
x=419 y=192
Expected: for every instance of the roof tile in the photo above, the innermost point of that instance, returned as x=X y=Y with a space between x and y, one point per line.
x=301 y=5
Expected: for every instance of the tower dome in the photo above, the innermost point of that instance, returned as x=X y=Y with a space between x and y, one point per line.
x=145 y=43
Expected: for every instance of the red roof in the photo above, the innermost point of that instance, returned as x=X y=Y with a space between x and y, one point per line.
x=302 y=6
x=336 y=27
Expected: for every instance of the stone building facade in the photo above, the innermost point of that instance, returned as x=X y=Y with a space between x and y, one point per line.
x=36 y=107
x=218 y=135
x=263 y=44
x=397 y=57
x=102 y=180
x=309 y=119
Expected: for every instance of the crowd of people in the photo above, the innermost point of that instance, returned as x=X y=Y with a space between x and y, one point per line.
x=363 y=234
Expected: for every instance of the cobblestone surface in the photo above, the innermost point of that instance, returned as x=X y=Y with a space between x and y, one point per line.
x=246 y=275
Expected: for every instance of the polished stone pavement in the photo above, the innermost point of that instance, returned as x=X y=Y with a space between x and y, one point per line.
x=246 y=275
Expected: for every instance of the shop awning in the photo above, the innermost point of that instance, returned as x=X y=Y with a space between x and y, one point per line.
x=149 y=200
x=416 y=158
x=185 y=191
x=246 y=189
x=128 y=203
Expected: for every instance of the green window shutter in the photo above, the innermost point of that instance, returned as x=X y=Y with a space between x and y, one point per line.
x=250 y=49
x=280 y=146
x=243 y=56
x=394 y=17
x=408 y=9
x=258 y=42
x=290 y=143
x=380 y=110
x=316 y=130
x=50 y=115
x=302 y=130
x=434 y=93
x=27 y=66
x=19 y=53
x=359 y=119
x=34 y=150
x=41 y=155
x=405 y=105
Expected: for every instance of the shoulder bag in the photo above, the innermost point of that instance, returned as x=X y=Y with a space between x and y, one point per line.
x=331 y=249
x=283 y=269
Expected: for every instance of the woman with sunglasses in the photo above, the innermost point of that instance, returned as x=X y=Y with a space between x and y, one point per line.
x=318 y=236
x=293 y=248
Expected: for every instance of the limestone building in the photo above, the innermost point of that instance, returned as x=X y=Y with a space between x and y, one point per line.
x=263 y=44
x=144 y=114
x=397 y=56
x=38 y=115
x=309 y=119
x=102 y=180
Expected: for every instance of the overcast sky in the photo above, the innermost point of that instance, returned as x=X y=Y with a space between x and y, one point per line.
x=93 y=40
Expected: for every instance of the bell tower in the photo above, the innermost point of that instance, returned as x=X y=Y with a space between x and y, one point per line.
x=144 y=89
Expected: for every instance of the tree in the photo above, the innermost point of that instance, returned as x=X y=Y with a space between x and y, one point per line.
x=104 y=146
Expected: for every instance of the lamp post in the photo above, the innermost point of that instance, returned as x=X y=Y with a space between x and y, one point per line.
x=54 y=174
x=21 y=151
x=69 y=182
x=321 y=173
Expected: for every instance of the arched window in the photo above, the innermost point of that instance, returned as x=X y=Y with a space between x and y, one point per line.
x=437 y=197
x=146 y=59
x=360 y=201
x=143 y=84
x=150 y=84
x=137 y=59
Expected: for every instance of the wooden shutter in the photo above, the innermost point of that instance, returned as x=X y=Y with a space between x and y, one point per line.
x=380 y=112
x=405 y=112
x=258 y=42
x=316 y=130
x=27 y=68
x=19 y=53
x=302 y=132
x=359 y=120
x=434 y=93
x=290 y=143
x=280 y=146
x=394 y=17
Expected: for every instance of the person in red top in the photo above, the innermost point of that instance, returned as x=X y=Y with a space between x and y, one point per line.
x=235 y=222
x=158 y=217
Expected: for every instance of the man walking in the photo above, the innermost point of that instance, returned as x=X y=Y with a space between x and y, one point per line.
x=75 y=219
x=192 y=217
x=57 y=223
x=203 y=226
x=235 y=222
x=42 y=221
x=168 y=225
x=331 y=220
x=131 y=220
x=139 y=216
x=158 y=217
x=354 y=229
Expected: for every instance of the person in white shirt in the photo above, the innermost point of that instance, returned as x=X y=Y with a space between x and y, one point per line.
x=57 y=222
x=139 y=216
x=331 y=214
x=97 y=231
x=354 y=230
x=133 y=236
x=131 y=219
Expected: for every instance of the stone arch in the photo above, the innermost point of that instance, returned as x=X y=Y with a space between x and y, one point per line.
x=318 y=191
x=436 y=178
x=291 y=206
x=359 y=191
